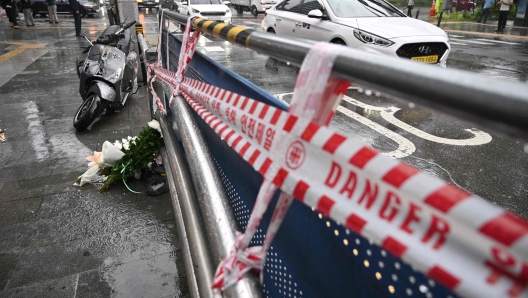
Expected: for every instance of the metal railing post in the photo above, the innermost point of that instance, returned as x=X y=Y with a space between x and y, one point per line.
x=219 y=220
x=197 y=257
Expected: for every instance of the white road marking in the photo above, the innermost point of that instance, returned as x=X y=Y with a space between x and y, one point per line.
x=458 y=43
x=214 y=49
x=205 y=39
x=472 y=41
x=497 y=41
x=459 y=36
x=405 y=147
x=479 y=137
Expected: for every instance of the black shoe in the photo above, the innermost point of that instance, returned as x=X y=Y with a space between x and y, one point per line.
x=157 y=185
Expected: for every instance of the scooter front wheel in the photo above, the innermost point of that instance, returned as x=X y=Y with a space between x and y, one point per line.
x=89 y=111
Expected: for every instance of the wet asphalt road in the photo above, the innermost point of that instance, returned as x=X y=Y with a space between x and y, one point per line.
x=492 y=166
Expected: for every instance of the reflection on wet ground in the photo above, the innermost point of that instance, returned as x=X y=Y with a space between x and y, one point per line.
x=57 y=240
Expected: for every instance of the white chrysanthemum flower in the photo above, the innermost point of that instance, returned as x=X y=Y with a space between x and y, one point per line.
x=155 y=124
x=118 y=145
x=126 y=145
x=129 y=138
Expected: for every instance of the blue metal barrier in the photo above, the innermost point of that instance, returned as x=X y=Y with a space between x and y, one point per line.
x=311 y=256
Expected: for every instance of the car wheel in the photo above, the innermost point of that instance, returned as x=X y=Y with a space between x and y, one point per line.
x=83 y=14
x=338 y=41
x=271 y=30
x=254 y=11
x=239 y=10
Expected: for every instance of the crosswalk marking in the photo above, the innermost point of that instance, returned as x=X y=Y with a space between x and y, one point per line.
x=472 y=41
x=498 y=41
x=459 y=36
x=458 y=43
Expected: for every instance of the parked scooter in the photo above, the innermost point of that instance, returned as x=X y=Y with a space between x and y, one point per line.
x=108 y=76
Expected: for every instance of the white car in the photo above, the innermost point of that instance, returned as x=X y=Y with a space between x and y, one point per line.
x=374 y=26
x=214 y=10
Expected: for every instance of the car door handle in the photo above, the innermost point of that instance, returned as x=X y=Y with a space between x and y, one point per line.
x=278 y=19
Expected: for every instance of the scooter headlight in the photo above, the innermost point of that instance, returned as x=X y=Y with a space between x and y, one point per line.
x=370 y=38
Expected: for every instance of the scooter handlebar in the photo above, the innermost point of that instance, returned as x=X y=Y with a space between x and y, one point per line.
x=129 y=24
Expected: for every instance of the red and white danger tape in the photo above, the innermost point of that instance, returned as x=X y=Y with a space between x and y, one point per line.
x=470 y=246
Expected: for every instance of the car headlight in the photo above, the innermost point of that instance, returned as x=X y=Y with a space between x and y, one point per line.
x=195 y=10
x=369 y=38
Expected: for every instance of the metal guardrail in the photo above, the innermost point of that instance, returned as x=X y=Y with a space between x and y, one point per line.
x=498 y=105
x=495 y=104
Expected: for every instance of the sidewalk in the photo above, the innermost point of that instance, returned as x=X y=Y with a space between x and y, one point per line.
x=57 y=240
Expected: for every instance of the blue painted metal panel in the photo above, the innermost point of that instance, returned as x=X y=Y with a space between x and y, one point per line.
x=311 y=256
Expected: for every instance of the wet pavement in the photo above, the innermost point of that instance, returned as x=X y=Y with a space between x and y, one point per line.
x=57 y=240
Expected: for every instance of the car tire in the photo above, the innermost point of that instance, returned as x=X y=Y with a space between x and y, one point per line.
x=254 y=11
x=239 y=10
x=271 y=30
x=83 y=14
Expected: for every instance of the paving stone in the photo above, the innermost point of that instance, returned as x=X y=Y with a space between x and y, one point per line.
x=41 y=186
x=18 y=172
x=120 y=246
x=18 y=211
x=55 y=288
x=158 y=277
x=7 y=267
x=93 y=285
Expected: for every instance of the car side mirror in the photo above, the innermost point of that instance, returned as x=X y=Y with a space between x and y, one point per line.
x=317 y=14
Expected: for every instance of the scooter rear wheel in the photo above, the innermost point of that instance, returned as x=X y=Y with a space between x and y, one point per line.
x=89 y=111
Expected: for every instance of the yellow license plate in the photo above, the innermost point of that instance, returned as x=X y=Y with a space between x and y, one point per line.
x=426 y=59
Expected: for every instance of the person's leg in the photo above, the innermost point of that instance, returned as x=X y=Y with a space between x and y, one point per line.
x=28 y=16
x=502 y=20
x=30 y=13
x=77 y=18
x=409 y=9
x=12 y=15
x=485 y=14
x=55 y=14
x=50 y=14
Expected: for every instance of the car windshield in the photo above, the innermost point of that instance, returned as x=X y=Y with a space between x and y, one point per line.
x=205 y=1
x=363 y=8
